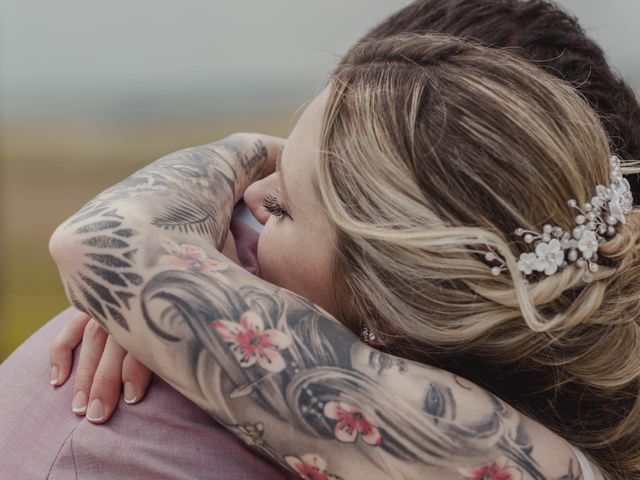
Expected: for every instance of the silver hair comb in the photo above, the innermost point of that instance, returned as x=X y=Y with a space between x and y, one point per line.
x=555 y=248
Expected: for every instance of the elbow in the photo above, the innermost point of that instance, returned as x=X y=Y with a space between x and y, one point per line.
x=56 y=243
x=62 y=248
x=65 y=251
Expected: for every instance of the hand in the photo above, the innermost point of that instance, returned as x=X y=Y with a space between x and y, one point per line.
x=103 y=364
x=274 y=146
x=102 y=367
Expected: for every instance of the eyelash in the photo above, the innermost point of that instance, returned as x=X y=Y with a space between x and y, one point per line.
x=274 y=207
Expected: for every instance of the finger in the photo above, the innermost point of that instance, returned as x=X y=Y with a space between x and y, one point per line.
x=93 y=342
x=136 y=378
x=229 y=250
x=105 y=390
x=274 y=146
x=61 y=349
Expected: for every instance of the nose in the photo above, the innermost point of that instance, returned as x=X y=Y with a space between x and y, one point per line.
x=255 y=193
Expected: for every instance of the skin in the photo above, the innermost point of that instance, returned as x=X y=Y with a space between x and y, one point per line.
x=104 y=368
x=153 y=275
x=295 y=251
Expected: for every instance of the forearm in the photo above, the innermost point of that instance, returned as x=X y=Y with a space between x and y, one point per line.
x=190 y=192
x=169 y=323
x=143 y=258
x=190 y=327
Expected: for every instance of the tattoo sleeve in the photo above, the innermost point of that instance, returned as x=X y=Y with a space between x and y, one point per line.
x=143 y=259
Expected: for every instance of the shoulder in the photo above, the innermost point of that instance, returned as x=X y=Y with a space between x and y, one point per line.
x=40 y=436
x=483 y=434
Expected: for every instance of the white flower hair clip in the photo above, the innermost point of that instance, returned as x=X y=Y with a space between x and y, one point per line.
x=555 y=248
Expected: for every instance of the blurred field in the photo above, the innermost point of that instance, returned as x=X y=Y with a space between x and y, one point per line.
x=50 y=170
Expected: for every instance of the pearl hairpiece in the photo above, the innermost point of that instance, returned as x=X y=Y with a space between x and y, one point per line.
x=366 y=335
x=595 y=223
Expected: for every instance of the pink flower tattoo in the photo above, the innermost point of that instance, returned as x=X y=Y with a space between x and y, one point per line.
x=491 y=471
x=190 y=257
x=310 y=467
x=352 y=423
x=251 y=343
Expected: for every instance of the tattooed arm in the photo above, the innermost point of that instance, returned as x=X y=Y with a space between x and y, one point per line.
x=143 y=259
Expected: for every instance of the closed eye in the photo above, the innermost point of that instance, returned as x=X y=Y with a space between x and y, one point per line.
x=272 y=204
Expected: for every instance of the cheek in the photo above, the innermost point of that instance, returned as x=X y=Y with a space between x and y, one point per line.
x=271 y=253
x=296 y=262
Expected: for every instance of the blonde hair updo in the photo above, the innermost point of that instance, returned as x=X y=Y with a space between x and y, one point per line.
x=434 y=150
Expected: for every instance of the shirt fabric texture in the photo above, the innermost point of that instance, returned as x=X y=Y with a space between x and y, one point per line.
x=165 y=436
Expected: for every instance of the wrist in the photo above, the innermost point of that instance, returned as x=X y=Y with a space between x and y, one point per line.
x=256 y=155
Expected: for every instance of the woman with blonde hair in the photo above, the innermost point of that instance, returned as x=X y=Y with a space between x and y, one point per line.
x=457 y=208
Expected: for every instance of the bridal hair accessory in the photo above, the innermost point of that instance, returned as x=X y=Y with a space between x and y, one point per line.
x=595 y=223
x=366 y=335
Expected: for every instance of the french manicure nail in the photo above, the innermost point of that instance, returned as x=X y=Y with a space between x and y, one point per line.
x=54 y=375
x=79 y=404
x=129 y=393
x=96 y=410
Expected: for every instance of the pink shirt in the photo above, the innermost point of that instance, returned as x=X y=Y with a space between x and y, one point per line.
x=164 y=437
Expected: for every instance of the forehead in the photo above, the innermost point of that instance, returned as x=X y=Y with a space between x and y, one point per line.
x=306 y=133
x=301 y=151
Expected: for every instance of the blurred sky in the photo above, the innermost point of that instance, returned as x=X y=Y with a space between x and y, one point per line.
x=169 y=58
x=92 y=90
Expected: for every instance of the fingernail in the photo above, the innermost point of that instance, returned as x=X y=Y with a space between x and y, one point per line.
x=54 y=375
x=96 y=410
x=129 y=393
x=79 y=404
